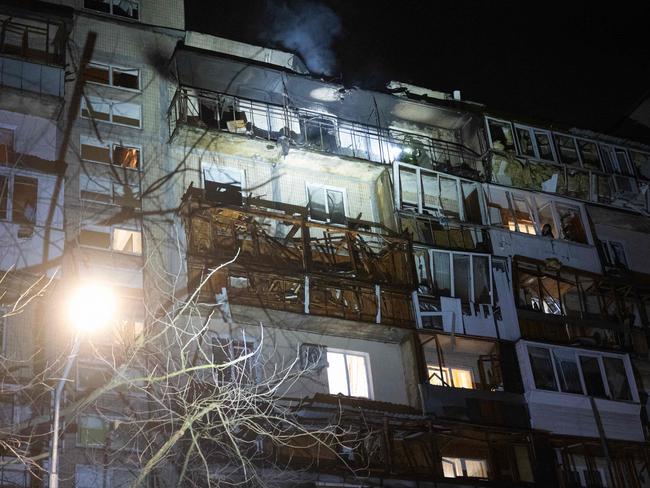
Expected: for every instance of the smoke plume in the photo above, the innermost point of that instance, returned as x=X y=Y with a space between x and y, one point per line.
x=308 y=28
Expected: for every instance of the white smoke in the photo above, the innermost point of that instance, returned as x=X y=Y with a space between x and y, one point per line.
x=308 y=28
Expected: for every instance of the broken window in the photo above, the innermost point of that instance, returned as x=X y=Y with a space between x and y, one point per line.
x=127 y=240
x=223 y=351
x=616 y=160
x=92 y=150
x=103 y=190
x=501 y=135
x=544 y=146
x=347 y=373
x=123 y=113
x=116 y=239
x=436 y=194
x=613 y=254
x=567 y=150
x=571 y=223
x=619 y=386
x=472 y=202
x=320 y=132
x=121 y=8
x=326 y=204
x=223 y=185
x=542 y=367
x=113 y=76
x=454 y=377
x=589 y=154
x=464 y=468
x=460 y=275
x=24 y=200
x=566 y=366
x=592 y=376
x=642 y=163
x=603 y=188
x=523 y=216
x=525 y=140
x=126 y=157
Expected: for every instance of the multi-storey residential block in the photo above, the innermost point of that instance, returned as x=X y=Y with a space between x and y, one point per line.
x=463 y=298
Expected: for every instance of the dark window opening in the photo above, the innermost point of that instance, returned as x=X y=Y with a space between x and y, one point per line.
x=24 y=200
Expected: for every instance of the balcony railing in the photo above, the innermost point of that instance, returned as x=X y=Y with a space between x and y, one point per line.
x=497 y=408
x=315 y=131
x=287 y=262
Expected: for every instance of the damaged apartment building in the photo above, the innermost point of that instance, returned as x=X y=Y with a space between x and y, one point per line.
x=472 y=289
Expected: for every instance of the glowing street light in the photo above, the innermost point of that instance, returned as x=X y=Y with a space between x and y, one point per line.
x=89 y=308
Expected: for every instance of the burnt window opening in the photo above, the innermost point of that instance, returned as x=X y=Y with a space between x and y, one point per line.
x=122 y=8
x=501 y=135
x=326 y=204
x=224 y=351
x=320 y=132
x=613 y=253
x=454 y=274
x=223 y=185
x=557 y=292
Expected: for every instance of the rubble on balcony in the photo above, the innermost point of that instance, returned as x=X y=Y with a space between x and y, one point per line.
x=287 y=262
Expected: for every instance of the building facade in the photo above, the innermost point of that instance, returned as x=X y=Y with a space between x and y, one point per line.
x=466 y=296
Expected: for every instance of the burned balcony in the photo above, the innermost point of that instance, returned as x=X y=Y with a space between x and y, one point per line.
x=559 y=304
x=295 y=127
x=32 y=49
x=286 y=262
x=472 y=380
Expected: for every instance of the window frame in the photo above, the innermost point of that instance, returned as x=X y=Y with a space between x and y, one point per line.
x=576 y=353
x=111 y=111
x=111 y=228
x=110 y=145
x=366 y=359
x=110 y=12
x=10 y=177
x=249 y=342
x=110 y=67
x=110 y=194
x=610 y=255
x=434 y=211
x=532 y=133
x=471 y=255
x=327 y=188
x=449 y=372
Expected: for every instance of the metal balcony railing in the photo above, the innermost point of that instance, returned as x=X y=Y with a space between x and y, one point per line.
x=316 y=131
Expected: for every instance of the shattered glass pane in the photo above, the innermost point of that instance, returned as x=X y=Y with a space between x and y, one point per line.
x=571 y=223
x=546 y=221
x=567 y=149
x=525 y=142
x=499 y=209
x=589 y=154
x=642 y=163
x=501 y=136
x=336 y=206
x=317 y=205
x=543 y=140
x=471 y=198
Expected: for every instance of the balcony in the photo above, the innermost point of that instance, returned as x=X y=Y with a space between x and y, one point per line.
x=303 y=129
x=473 y=380
x=32 y=52
x=288 y=262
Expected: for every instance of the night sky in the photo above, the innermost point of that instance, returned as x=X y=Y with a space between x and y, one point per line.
x=570 y=63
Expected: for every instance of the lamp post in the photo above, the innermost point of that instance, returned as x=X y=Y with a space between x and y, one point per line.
x=89 y=308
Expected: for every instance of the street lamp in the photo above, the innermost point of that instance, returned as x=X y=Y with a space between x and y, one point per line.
x=89 y=308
